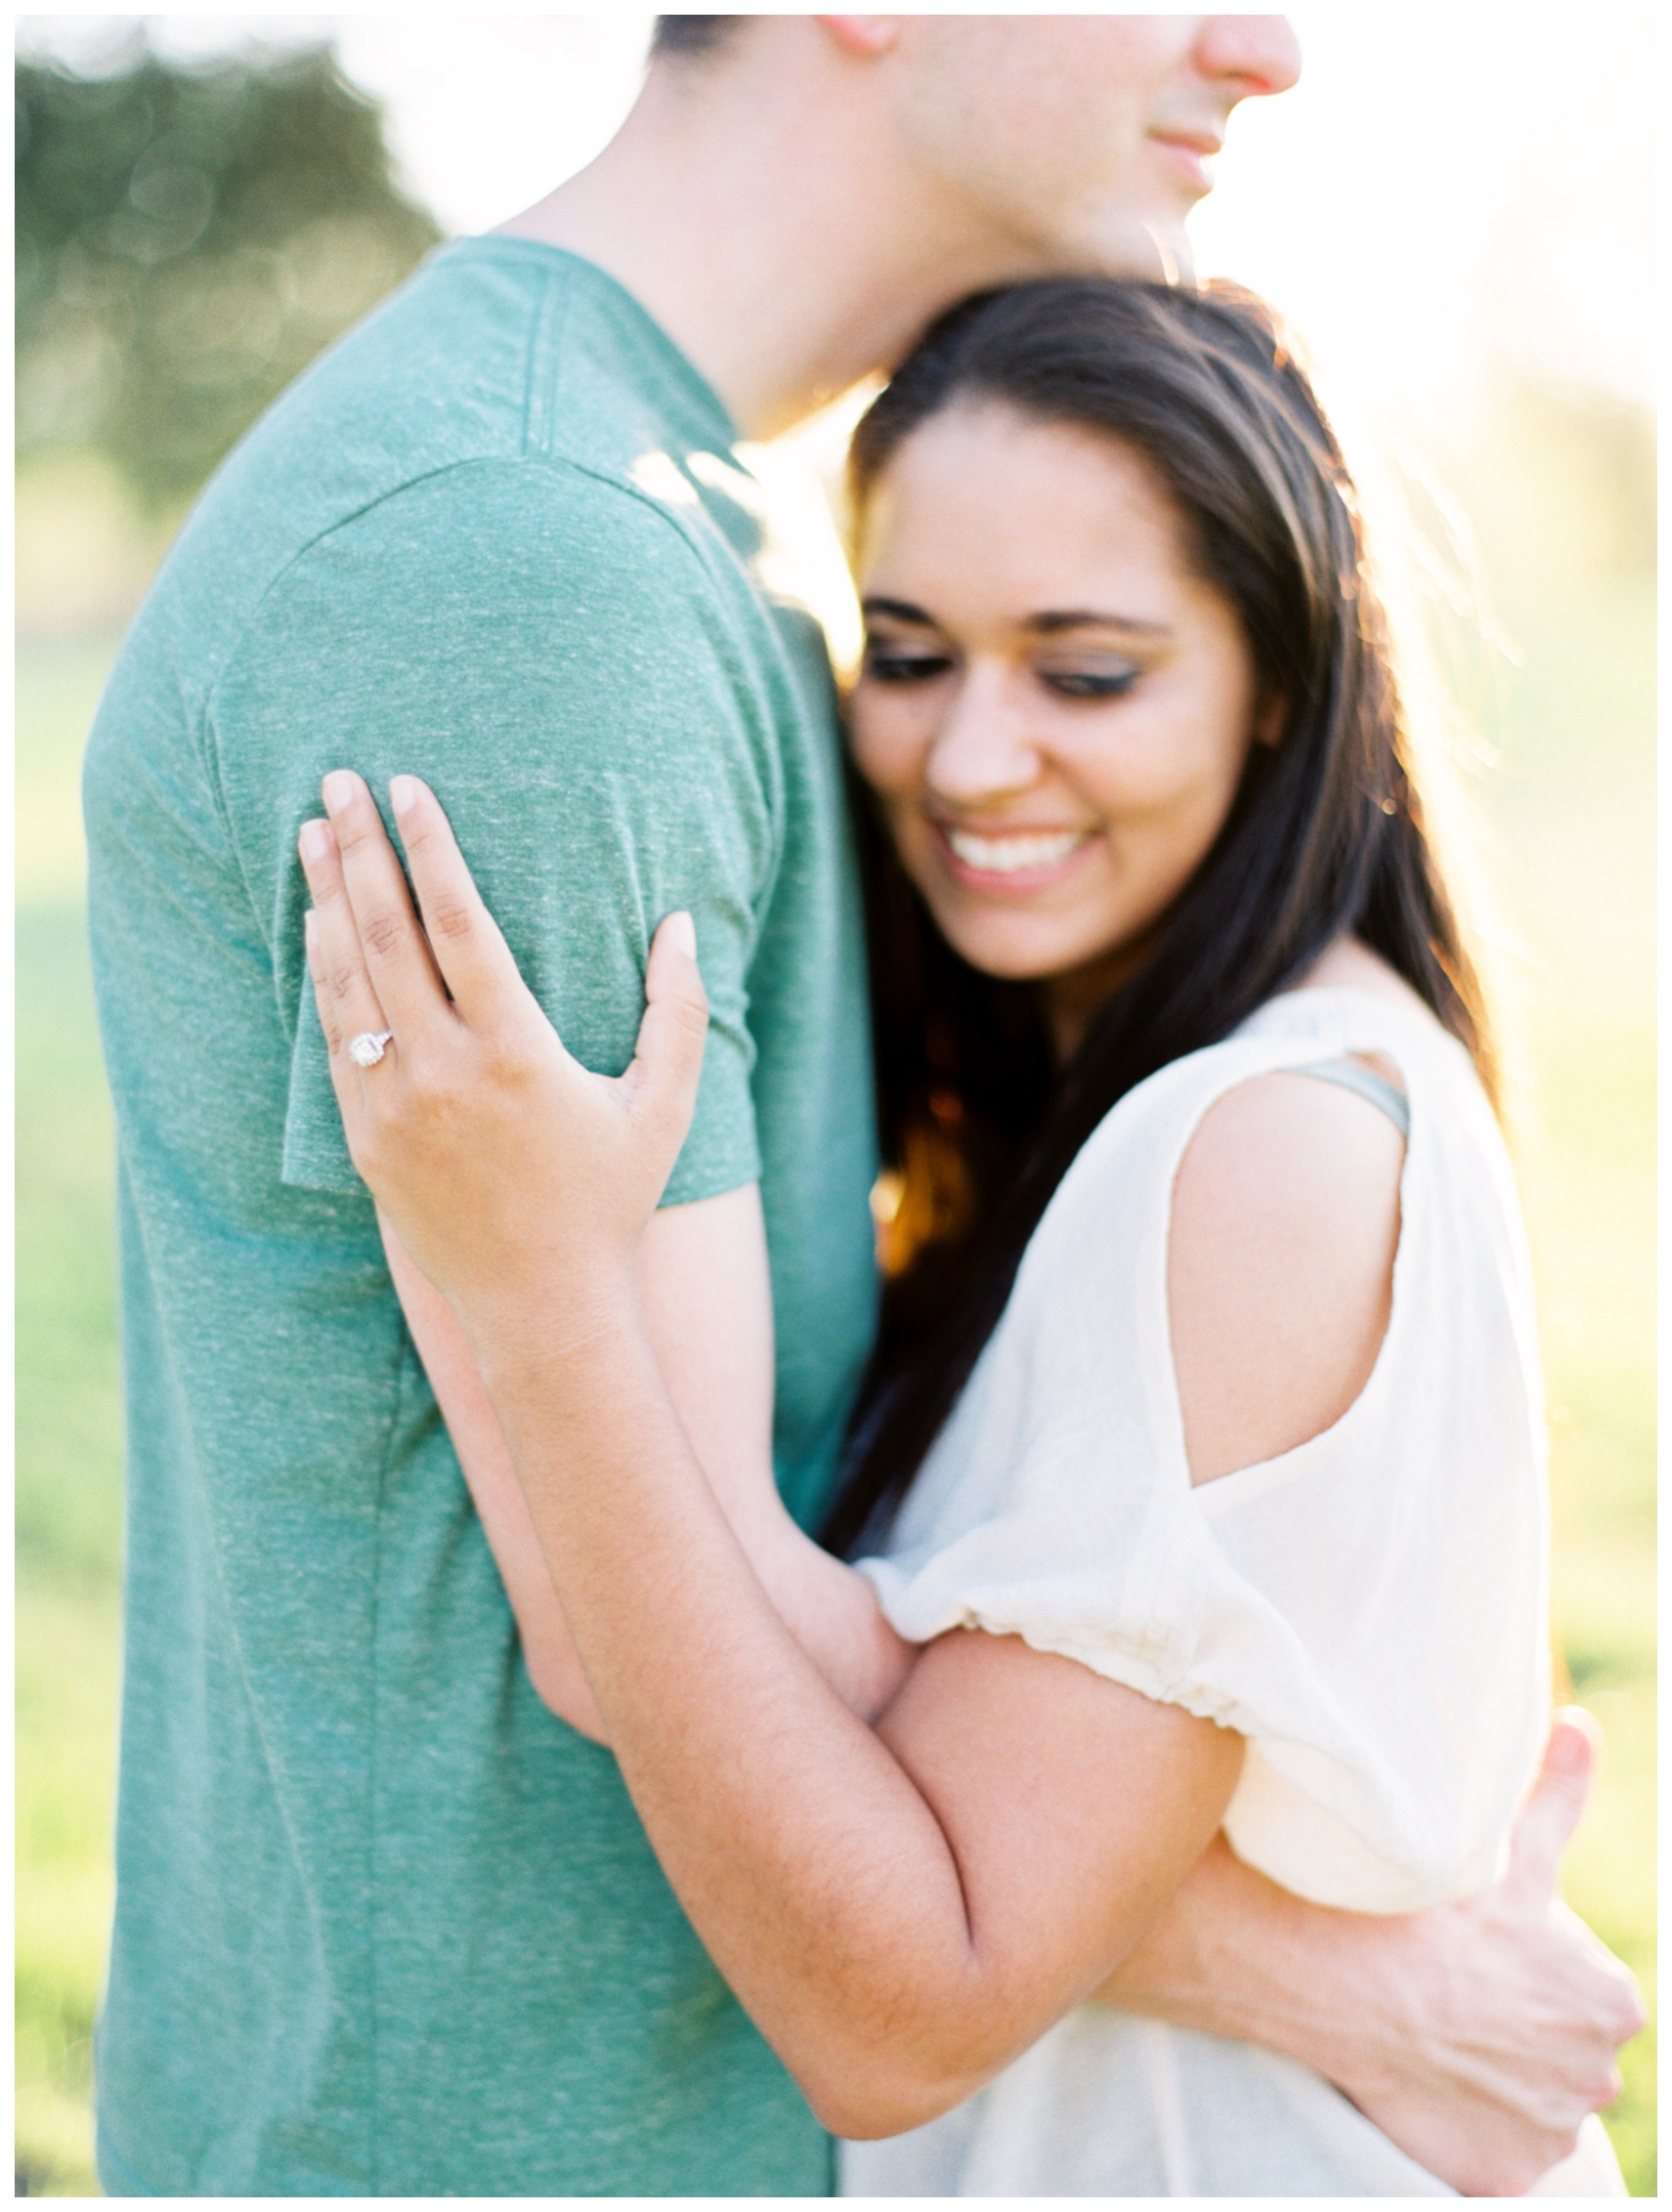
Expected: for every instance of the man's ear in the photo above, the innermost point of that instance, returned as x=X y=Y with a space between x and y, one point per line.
x=862 y=35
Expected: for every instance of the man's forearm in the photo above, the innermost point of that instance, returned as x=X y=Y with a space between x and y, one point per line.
x=1236 y=1956
x=1476 y=2035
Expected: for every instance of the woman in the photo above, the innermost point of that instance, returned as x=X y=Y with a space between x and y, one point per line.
x=1201 y=1450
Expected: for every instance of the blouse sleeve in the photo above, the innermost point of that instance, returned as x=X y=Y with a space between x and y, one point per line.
x=1367 y=1610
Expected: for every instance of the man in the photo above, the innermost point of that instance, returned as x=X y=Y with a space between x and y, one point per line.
x=384 y=1924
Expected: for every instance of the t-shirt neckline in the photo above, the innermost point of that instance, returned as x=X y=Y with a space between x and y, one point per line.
x=614 y=295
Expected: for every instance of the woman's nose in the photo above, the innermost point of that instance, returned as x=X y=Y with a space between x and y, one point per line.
x=981 y=750
x=1260 y=54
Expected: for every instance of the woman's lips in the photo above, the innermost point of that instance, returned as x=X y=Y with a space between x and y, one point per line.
x=1009 y=861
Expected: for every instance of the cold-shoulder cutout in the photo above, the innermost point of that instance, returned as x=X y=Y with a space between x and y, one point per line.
x=1285 y=1224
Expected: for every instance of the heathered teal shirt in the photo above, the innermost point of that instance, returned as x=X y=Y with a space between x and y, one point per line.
x=384 y=1925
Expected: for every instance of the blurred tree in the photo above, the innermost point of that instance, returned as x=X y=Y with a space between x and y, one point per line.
x=188 y=238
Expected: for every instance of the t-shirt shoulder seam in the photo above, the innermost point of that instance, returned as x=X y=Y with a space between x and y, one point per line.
x=516 y=465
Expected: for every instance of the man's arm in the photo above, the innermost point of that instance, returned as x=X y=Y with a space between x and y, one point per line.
x=706 y=1297
x=1476 y=2037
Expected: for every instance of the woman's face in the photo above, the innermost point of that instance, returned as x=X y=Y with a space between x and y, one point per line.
x=1054 y=709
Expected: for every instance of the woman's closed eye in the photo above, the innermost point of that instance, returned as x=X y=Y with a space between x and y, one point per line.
x=887 y=662
x=896 y=663
x=1090 y=682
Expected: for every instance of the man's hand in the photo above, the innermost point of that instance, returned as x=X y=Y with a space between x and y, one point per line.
x=1476 y=2037
x=1509 y=2010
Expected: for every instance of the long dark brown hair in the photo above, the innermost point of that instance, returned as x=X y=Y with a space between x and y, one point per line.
x=1325 y=835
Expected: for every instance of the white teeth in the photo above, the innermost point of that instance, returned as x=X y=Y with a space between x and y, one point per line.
x=1009 y=856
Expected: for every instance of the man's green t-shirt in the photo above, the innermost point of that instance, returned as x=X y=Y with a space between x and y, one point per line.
x=384 y=1925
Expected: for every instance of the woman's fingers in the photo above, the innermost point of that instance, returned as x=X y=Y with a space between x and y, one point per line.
x=393 y=949
x=473 y=957
x=345 y=1075
x=347 y=998
x=667 y=1061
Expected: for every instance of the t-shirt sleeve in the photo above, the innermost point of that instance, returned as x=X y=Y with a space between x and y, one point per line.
x=1366 y=1610
x=558 y=659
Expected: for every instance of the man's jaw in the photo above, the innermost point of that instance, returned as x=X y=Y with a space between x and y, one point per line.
x=1124 y=243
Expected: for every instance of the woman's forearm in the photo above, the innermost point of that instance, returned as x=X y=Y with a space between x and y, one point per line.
x=831 y=1612
x=814 y=1870
x=902 y=1909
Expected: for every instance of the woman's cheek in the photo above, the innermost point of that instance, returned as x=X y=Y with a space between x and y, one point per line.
x=888 y=750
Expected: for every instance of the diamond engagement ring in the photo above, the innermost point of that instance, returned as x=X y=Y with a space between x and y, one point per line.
x=369 y=1046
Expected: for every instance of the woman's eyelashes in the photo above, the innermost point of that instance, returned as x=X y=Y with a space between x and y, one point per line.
x=1089 y=683
x=904 y=665
x=889 y=664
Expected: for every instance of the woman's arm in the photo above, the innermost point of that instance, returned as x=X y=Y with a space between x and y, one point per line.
x=704 y=1285
x=902 y=1909
x=549 y=1650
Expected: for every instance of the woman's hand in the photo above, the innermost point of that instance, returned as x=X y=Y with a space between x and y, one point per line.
x=517 y=1179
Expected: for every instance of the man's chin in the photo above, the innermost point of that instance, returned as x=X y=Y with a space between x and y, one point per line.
x=1135 y=245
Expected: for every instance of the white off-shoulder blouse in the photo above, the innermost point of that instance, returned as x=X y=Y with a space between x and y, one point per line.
x=1368 y=1610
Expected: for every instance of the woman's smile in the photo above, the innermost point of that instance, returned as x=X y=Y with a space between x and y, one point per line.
x=1010 y=862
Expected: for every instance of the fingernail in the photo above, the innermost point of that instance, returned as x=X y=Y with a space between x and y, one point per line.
x=684 y=934
x=309 y=926
x=1570 y=1749
x=402 y=793
x=315 y=840
x=338 y=789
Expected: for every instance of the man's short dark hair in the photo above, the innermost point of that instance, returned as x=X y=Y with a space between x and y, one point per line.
x=693 y=36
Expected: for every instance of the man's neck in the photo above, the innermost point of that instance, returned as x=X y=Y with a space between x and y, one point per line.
x=768 y=231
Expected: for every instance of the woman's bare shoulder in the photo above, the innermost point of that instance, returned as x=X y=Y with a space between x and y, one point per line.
x=1285 y=1224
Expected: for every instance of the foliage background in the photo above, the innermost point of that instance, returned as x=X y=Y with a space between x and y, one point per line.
x=190 y=235
x=188 y=239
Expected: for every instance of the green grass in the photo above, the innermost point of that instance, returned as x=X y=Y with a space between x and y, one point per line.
x=1572 y=807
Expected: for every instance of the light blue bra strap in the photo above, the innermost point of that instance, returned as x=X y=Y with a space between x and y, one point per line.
x=1352 y=1076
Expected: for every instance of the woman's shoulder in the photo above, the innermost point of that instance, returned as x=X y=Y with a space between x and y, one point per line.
x=1349 y=965
x=1258 y=1193
x=1283 y=1229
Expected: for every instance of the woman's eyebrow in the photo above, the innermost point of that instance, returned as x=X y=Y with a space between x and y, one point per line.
x=899 y=610
x=1051 y=624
